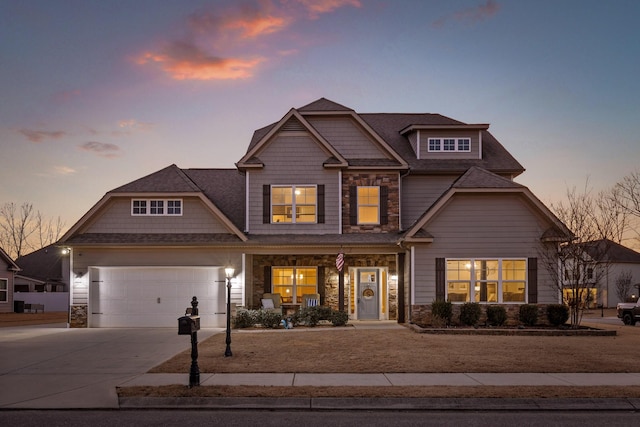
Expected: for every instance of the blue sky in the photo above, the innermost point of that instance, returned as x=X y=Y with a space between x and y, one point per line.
x=95 y=94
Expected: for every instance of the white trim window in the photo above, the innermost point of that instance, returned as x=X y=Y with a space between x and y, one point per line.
x=368 y=205
x=449 y=144
x=294 y=282
x=294 y=204
x=4 y=290
x=487 y=280
x=156 y=207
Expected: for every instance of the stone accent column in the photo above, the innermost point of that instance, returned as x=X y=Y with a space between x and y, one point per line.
x=78 y=317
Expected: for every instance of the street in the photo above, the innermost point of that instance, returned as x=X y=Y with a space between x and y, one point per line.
x=141 y=418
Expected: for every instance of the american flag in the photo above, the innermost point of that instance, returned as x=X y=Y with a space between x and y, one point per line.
x=340 y=261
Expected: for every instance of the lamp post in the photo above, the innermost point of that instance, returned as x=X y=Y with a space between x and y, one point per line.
x=229 y=273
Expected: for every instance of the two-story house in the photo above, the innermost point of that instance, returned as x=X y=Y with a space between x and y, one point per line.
x=8 y=271
x=421 y=206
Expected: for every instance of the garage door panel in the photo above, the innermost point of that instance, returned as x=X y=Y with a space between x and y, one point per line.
x=156 y=297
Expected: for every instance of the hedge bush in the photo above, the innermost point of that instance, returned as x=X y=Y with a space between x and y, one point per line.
x=339 y=318
x=270 y=319
x=470 y=313
x=528 y=314
x=557 y=314
x=496 y=315
x=246 y=319
x=442 y=312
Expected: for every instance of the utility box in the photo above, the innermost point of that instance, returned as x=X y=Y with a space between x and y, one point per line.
x=187 y=325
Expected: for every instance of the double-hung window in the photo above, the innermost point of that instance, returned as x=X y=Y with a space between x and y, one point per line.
x=486 y=280
x=156 y=207
x=4 y=290
x=369 y=205
x=293 y=204
x=294 y=282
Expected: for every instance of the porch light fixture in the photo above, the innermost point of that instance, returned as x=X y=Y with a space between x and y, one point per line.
x=229 y=271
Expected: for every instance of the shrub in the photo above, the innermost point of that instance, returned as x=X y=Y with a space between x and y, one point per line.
x=324 y=312
x=310 y=316
x=528 y=314
x=441 y=312
x=270 y=319
x=557 y=314
x=496 y=315
x=339 y=318
x=246 y=319
x=470 y=313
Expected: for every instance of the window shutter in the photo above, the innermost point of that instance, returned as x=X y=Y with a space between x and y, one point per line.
x=321 y=287
x=440 y=278
x=321 y=204
x=384 y=205
x=532 y=267
x=266 y=204
x=267 y=279
x=353 y=205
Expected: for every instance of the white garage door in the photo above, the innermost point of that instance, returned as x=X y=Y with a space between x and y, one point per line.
x=155 y=296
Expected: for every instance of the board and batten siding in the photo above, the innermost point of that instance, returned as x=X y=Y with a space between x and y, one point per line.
x=195 y=218
x=293 y=160
x=347 y=137
x=419 y=192
x=482 y=226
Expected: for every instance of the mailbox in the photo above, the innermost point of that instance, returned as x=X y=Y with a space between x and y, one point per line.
x=187 y=325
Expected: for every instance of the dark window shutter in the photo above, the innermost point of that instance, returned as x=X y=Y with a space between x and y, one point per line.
x=440 y=278
x=267 y=279
x=321 y=287
x=532 y=266
x=321 y=204
x=353 y=205
x=384 y=205
x=266 y=204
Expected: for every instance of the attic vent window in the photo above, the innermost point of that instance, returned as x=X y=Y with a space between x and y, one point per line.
x=156 y=207
x=449 y=144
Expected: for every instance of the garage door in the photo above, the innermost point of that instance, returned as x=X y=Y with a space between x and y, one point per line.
x=154 y=296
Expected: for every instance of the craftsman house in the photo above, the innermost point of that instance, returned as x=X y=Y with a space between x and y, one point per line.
x=421 y=206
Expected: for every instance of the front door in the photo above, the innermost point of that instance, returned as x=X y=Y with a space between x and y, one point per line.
x=368 y=298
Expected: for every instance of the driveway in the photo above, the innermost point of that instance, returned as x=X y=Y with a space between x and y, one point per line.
x=55 y=367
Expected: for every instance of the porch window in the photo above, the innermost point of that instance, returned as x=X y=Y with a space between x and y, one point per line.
x=293 y=204
x=4 y=290
x=368 y=205
x=486 y=280
x=294 y=282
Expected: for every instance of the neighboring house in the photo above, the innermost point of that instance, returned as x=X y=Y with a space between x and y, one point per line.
x=422 y=206
x=609 y=261
x=8 y=270
x=43 y=279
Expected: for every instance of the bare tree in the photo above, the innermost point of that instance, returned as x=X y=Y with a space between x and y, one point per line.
x=578 y=267
x=23 y=230
x=624 y=285
x=627 y=197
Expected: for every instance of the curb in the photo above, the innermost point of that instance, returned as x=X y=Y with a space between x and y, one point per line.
x=382 y=404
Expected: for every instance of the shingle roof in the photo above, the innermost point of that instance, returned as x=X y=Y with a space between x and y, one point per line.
x=477 y=177
x=168 y=180
x=44 y=264
x=605 y=250
x=150 y=239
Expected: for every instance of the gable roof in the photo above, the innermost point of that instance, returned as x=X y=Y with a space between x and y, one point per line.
x=605 y=250
x=11 y=265
x=478 y=180
x=45 y=264
x=168 y=180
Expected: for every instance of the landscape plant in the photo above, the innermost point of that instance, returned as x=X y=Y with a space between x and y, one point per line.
x=557 y=314
x=441 y=313
x=470 y=313
x=496 y=315
x=528 y=314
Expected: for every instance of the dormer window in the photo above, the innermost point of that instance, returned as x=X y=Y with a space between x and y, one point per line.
x=449 y=144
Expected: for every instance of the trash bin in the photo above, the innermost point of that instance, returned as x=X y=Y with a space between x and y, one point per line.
x=18 y=306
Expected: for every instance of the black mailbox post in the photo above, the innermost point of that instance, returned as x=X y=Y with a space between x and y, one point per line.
x=189 y=325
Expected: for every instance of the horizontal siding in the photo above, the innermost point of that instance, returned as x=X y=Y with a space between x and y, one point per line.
x=419 y=193
x=482 y=226
x=347 y=137
x=293 y=160
x=195 y=218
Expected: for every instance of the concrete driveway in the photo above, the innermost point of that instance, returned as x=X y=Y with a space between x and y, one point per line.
x=55 y=367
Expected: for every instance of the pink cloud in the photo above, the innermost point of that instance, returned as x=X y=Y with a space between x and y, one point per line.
x=40 y=135
x=102 y=149
x=317 y=7
x=471 y=14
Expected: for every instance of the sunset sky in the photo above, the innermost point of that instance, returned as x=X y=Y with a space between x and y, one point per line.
x=95 y=94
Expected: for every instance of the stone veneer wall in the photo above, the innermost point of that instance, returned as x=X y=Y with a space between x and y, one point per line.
x=391 y=181
x=421 y=314
x=329 y=289
x=78 y=316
